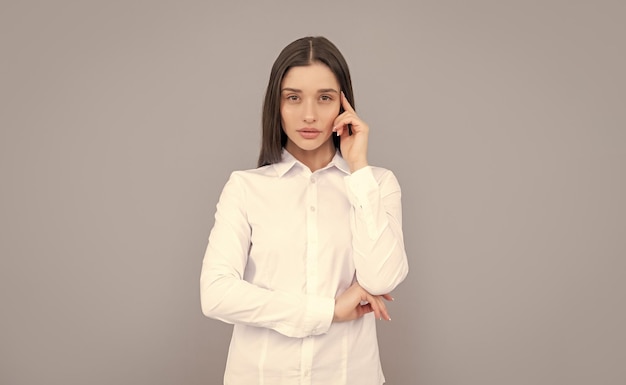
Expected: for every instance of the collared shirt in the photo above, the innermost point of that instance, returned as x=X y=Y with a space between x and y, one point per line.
x=285 y=243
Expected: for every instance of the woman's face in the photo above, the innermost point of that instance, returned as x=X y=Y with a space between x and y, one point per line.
x=309 y=104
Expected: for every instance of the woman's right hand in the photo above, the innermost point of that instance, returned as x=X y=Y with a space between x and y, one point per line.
x=355 y=302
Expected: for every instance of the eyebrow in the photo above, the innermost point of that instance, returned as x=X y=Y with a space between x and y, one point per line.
x=322 y=90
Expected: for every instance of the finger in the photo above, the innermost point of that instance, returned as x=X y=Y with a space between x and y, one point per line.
x=340 y=130
x=386 y=315
x=388 y=297
x=383 y=309
x=369 y=300
x=346 y=104
x=364 y=309
x=343 y=119
x=375 y=302
x=346 y=124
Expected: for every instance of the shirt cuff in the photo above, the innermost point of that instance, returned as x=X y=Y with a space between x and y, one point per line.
x=362 y=178
x=319 y=314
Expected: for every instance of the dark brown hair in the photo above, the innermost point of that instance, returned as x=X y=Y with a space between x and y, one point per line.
x=302 y=52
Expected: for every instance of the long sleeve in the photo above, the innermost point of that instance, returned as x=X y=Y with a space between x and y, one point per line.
x=285 y=243
x=376 y=222
x=226 y=296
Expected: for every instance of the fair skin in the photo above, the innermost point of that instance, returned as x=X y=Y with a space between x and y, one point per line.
x=310 y=103
x=309 y=107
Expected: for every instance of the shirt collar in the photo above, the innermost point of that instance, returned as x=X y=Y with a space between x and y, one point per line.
x=288 y=162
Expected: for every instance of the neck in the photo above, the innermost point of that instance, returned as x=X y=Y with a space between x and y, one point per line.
x=313 y=159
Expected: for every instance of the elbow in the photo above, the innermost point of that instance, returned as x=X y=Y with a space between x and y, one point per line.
x=377 y=285
x=208 y=306
x=216 y=291
x=210 y=298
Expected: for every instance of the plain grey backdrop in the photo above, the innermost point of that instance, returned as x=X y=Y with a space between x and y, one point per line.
x=503 y=120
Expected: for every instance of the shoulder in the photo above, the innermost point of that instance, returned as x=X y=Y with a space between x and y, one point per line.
x=241 y=183
x=264 y=171
x=252 y=176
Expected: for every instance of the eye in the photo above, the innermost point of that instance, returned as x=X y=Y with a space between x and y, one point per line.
x=326 y=98
x=292 y=98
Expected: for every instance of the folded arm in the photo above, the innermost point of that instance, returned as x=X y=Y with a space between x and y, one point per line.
x=376 y=222
x=226 y=296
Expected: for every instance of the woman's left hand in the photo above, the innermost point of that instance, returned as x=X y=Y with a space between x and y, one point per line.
x=353 y=147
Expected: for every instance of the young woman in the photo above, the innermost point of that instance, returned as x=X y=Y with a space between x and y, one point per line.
x=305 y=247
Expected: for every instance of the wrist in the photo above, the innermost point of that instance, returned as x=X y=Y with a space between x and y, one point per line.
x=357 y=165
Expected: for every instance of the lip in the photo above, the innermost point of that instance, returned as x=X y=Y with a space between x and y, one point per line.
x=309 y=133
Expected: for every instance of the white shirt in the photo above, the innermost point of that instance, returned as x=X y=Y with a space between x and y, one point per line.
x=285 y=243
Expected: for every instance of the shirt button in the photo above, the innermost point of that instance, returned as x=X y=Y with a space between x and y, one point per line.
x=312 y=208
x=313 y=180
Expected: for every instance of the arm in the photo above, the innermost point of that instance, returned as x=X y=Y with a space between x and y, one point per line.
x=227 y=297
x=376 y=221
x=376 y=216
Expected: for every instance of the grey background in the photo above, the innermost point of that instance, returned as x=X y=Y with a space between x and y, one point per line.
x=503 y=120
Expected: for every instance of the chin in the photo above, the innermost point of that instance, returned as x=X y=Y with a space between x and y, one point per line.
x=308 y=146
x=311 y=144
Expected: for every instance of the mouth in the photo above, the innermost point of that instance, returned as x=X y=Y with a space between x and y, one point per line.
x=309 y=133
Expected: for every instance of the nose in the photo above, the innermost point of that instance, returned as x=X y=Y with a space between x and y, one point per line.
x=310 y=112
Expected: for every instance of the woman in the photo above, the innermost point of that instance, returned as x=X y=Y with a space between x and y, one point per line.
x=305 y=247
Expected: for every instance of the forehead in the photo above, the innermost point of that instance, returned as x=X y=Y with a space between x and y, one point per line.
x=311 y=77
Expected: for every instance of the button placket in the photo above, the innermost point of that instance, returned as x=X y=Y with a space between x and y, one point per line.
x=312 y=236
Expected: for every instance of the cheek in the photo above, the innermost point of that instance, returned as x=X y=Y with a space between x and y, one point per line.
x=286 y=115
x=330 y=114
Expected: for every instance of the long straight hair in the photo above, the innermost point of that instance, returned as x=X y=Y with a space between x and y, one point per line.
x=302 y=52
